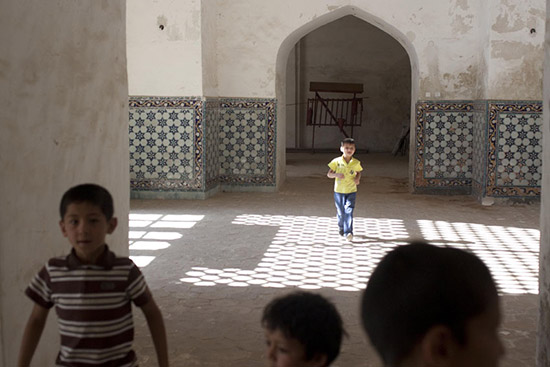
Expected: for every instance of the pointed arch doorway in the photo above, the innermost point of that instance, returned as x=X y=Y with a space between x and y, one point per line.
x=352 y=46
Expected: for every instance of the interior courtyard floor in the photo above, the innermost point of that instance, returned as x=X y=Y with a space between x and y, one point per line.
x=213 y=264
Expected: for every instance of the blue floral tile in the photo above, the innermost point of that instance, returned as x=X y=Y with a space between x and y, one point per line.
x=515 y=149
x=444 y=145
x=492 y=147
x=193 y=144
x=165 y=136
x=246 y=141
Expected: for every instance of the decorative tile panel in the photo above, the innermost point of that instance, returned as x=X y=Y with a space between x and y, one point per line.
x=494 y=148
x=247 y=141
x=515 y=149
x=193 y=145
x=443 y=145
x=211 y=143
x=166 y=144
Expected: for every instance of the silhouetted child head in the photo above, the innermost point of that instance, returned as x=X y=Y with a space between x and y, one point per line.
x=427 y=305
x=302 y=329
x=89 y=193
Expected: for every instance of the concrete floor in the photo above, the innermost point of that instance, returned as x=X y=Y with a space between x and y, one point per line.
x=213 y=264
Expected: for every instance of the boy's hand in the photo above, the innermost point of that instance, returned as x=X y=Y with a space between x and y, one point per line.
x=332 y=174
x=357 y=178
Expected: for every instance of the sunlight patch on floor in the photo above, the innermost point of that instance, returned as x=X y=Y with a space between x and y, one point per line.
x=307 y=253
x=141 y=239
x=512 y=254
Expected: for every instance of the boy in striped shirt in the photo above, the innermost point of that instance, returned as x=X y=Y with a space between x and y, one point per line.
x=92 y=290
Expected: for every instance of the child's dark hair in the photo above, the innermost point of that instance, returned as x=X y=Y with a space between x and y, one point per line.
x=418 y=286
x=347 y=141
x=309 y=318
x=90 y=193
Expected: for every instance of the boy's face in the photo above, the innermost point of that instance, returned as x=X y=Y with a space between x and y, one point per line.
x=86 y=228
x=288 y=352
x=348 y=149
x=483 y=346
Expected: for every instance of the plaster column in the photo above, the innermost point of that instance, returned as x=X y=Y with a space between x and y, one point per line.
x=543 y=333
x=64 y=121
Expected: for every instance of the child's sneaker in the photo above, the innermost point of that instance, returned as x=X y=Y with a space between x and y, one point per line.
x=349 y=237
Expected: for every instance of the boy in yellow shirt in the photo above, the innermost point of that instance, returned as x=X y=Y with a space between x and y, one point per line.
x=346 y=170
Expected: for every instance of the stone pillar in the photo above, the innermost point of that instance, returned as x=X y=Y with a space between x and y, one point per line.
x=543 y=333
x=64 y=122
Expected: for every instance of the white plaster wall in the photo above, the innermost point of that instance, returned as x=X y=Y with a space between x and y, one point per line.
x=165 y=62
x=516 y=54
x=483 y=26
x=442 y=33
x=248 y=47
x=447 y=35
x=64 y=121
x=208 y=41
x=448 y=52
x=543 y=332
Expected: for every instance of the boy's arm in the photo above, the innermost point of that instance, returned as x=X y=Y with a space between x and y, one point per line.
x=332 y=174
x=158 y=332
x=358 y=178
x=31 y=335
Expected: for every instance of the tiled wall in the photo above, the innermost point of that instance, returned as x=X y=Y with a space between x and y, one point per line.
x=444 y=145
x=191 y=147
x=247 y=142
x=182 y=146
x=486 y=148
x=514 y=167
x=166 y=144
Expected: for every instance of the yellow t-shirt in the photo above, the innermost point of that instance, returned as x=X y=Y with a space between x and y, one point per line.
x=347 y=184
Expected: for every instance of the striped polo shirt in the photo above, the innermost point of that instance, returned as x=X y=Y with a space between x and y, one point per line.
x=93 y=306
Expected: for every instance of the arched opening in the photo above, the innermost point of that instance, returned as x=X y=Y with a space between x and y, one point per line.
x=335 y=48
x=349 y=50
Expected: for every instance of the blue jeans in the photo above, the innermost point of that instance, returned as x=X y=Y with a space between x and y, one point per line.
x=345 y=203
